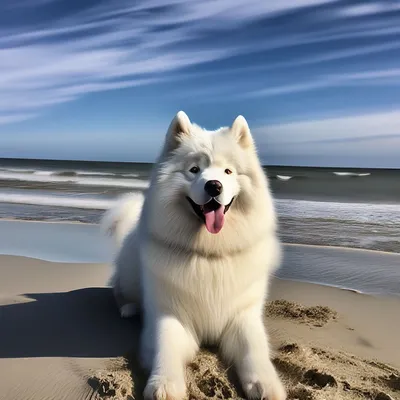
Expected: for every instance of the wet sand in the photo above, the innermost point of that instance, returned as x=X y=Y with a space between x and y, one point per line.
x=362 y=270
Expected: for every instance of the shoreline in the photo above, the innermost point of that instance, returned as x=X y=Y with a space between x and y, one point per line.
x=74 y=264
x=381 y=295
x=370 y=272
x=323 y=246
x=39 y=221
x=327 y=285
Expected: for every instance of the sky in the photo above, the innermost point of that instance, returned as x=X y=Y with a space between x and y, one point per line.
x=317 y=80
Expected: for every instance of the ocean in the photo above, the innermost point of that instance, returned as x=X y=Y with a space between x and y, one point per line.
x=316 y=206
x=322 y=207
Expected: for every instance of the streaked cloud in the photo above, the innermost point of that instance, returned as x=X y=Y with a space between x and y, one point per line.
x=326 y=131
x=120 y=44
x=359 y=140
x=10 y=118
x=371 y=8
x=378 y=77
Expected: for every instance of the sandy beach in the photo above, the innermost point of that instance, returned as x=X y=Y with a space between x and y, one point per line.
x=61 y=338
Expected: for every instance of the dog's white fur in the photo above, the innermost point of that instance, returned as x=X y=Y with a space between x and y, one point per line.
x=195 y=287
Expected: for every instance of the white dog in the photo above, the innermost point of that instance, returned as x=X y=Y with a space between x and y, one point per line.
x=196 y=258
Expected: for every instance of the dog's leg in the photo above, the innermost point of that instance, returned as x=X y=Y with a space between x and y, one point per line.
x=126 y=309
x=245 y=343
x=174 y=347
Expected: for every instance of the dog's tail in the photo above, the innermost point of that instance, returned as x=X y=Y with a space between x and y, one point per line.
x=120 y=219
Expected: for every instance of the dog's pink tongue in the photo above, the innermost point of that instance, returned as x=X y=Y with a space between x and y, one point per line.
x=215 y=220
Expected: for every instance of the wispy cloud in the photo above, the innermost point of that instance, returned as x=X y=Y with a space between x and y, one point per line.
x=375 y=77
x=10 y=118
x=119 y=44
x=364 y=140
x=327 y=130
x=370 y=8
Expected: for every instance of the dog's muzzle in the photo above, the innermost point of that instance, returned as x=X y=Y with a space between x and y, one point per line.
x=211 y=213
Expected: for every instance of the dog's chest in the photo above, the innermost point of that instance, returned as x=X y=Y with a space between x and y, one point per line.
x=207 y=291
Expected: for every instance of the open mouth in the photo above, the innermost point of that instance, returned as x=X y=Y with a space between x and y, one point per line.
x=211 y=213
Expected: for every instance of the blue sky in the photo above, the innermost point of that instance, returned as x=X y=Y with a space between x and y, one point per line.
x=317 y=80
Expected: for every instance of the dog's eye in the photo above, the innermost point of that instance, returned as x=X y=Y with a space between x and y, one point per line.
x=228 y=171
x=195 y=169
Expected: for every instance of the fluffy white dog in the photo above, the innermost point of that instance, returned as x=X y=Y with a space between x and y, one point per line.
x=196 y=258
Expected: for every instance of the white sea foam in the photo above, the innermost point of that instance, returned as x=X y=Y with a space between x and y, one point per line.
x=284 y=177
x=387 y=214
x=22 y=170
x=57 y=201
x=84 y=173
x=352 y=173
x=66 y=172
x=45 y=177
x=43 y=173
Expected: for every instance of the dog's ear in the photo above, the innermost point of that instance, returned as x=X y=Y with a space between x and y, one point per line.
x=241 y=131
x=178 y=128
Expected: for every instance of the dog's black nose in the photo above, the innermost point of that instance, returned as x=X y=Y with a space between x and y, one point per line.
x=213 y=188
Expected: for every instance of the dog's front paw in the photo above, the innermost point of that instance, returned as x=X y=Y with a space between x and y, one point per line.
x=161 y=388
x=268 y=388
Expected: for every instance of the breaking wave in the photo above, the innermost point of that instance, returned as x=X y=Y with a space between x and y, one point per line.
x=352 y=173
x=284 y=177
x=57 y=201
x=50 y=177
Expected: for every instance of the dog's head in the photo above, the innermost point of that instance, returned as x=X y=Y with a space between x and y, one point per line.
x=209 y=180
